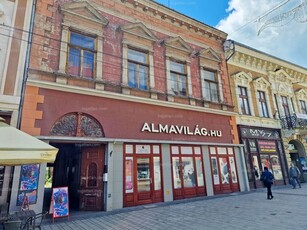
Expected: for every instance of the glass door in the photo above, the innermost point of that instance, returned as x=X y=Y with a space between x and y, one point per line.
x=144 y=179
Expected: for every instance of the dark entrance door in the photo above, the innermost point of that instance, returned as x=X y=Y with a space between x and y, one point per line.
x=91 y=187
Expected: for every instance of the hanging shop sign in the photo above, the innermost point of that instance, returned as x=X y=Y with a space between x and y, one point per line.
x=179 y=129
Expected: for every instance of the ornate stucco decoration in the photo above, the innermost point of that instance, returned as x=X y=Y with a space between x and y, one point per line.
x=77 y=125
x=76 y=13
x=242 y=79
x=140 y=30
x=281 y=82
x=261 y=84
x=301 y=94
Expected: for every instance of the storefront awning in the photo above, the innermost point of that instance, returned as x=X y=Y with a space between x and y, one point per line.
x=19 y=148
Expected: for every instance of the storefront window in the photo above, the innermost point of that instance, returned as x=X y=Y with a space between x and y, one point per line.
x=265 y=162
x=176 y=172
x=199 y=171
x=129 y=174
x=276 y=168
x=216 y=179
x=221 y=150
x=256 y=168
x=186 y=150
x=233 y=170
x=188 y=172
x=224 y=170
x=157 y=173
x=212 y=150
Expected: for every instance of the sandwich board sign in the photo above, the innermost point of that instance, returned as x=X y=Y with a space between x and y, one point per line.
x=59 y=203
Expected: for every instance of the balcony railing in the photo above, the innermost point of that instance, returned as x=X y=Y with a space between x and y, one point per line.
x=295 y=121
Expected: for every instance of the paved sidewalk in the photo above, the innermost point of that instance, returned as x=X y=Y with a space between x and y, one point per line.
x=237 y=211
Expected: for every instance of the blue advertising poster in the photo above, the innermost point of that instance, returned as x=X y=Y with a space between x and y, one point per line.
x=60 y=203
x=303 y=164
x=28 y=185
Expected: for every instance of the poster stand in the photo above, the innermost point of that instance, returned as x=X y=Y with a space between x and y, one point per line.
x=59 y=206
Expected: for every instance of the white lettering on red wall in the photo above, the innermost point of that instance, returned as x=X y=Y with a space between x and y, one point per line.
x=179 y=129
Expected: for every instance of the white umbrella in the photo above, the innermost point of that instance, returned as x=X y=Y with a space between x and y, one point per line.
x=20 y=148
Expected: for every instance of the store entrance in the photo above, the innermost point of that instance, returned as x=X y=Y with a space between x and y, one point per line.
x=224 y=170
x=68 y=171
x=144 y=180
x=142 y=174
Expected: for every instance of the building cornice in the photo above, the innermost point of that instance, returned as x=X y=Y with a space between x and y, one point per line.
x=123 y=97
x=262 y=63
x=170 y=16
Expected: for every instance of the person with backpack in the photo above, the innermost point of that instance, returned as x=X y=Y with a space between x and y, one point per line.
x=294 y=174
x=267 y=179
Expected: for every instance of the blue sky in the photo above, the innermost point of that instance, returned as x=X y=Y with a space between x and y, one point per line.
x=209 y=12
x=240 y=20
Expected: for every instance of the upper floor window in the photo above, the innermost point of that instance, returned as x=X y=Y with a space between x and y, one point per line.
x=210 y=86
x=303 y=107
x=81 y=55
x=243 y=101
x=263 y=108
x=178 y=79
x=138 y=69
x=285 y=105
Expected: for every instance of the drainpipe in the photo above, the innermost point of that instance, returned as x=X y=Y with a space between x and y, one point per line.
x=27 y=62
x=23 y=86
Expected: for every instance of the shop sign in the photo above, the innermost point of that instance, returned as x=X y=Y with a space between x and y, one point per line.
x=179 y=129
x=259 y=133
x=252 y=146
x=267 y=146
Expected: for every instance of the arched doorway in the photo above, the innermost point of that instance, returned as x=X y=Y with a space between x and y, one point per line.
x=298 y=157
x=80 y=162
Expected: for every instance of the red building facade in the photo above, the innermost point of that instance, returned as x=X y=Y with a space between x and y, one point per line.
x=136 y=97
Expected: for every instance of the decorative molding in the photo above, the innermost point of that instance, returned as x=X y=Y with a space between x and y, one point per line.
x=242 y=79
x=301 y=94
x=140 y=30
x=209 y=53
x=77 y=125
x=179 y=44
x=261 y=84
x=83 y=9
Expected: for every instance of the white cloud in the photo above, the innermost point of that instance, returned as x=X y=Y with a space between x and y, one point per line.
x=287 y=42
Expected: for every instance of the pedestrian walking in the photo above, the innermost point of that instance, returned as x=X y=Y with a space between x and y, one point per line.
x=267 y=179
x=294 y=174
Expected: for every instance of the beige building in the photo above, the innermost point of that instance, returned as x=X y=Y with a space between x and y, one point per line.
x=15 y=20
x=270 y=97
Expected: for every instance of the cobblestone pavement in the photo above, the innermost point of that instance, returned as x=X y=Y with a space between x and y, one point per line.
x=238 y=211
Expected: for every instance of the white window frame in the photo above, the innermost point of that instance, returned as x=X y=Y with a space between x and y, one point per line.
x=243 y=79
x=261 y=84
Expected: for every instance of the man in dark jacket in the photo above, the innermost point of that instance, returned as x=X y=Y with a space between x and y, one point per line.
x=267 y=179
x=294 y=174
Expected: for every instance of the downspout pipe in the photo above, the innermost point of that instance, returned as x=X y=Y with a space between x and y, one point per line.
x=27 y=63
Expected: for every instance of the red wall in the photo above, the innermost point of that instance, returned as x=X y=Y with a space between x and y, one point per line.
x=123 y=119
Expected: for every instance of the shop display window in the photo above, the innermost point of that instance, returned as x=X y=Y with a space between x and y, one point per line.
x=129 y=174
x=222 y=150
x=187 y=167
x=176 y=172
x=200 y=175
x=224 y=170
x=157 y=172
x=216 y=179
